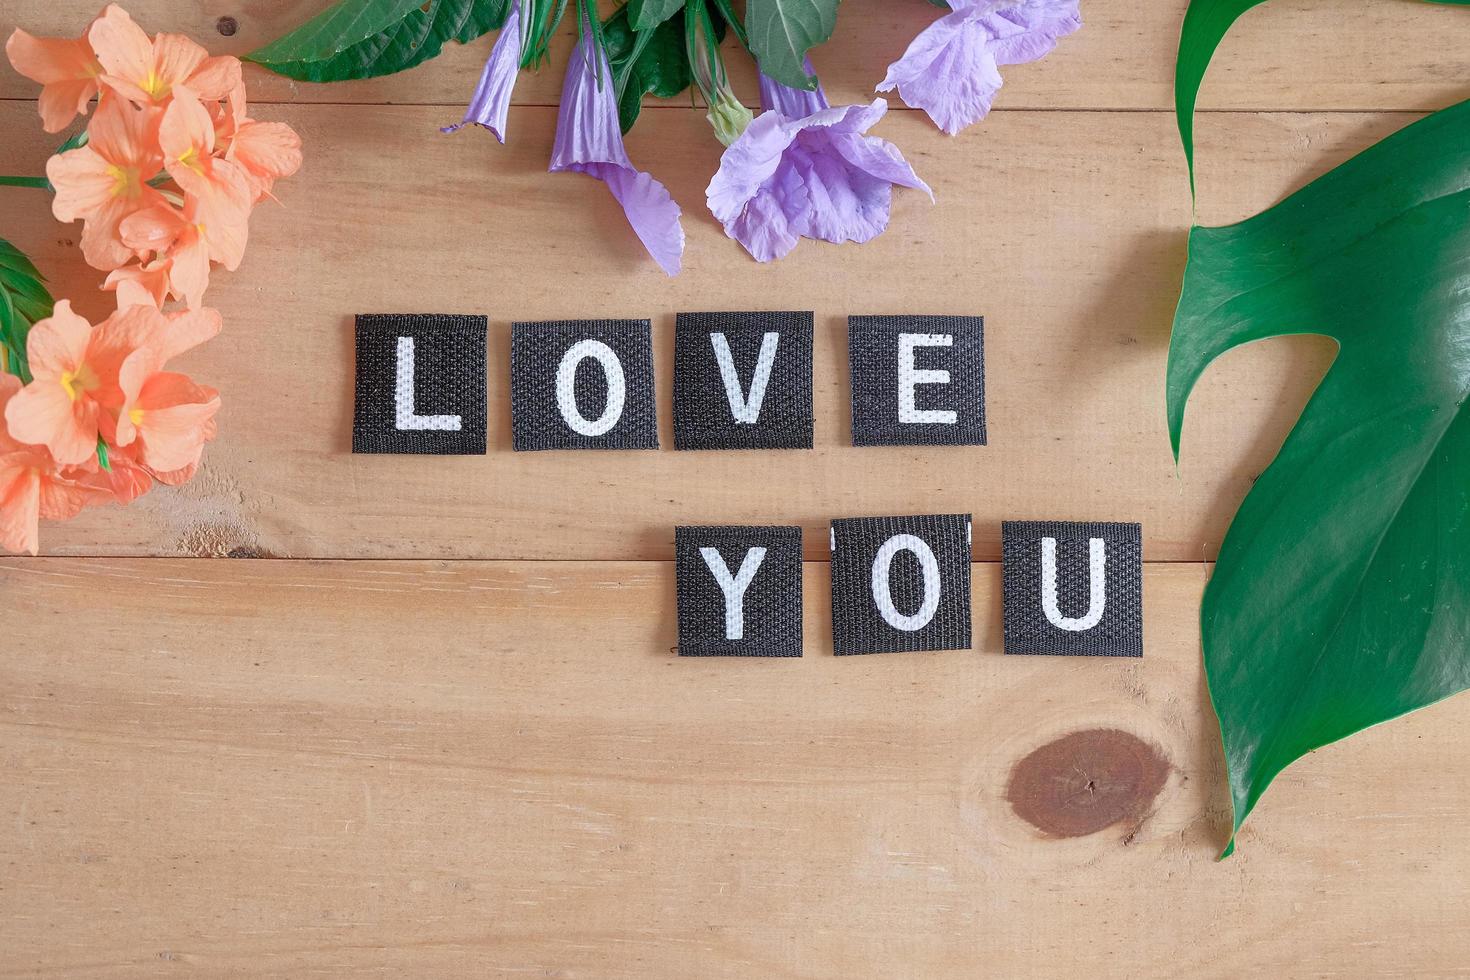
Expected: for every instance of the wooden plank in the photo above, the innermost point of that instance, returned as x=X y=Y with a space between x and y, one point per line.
x=1066 y=233
x=1292 y=54
x=475 y=768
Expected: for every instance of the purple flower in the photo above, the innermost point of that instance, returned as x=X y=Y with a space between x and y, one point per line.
x=951 y=70
x=589 y=140
x=492 y=96
x=804 y=169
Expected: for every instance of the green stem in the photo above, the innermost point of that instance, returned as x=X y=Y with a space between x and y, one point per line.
x=40 y=183
x=728 y=13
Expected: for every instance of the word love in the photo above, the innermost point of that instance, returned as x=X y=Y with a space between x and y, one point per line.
x=741 y=381
x=903 y=583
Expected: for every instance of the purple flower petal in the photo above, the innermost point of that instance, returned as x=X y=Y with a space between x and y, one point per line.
x=815 y=176
x=951 y=70
x=589 y=140
x=492 y=96
x=792 y=102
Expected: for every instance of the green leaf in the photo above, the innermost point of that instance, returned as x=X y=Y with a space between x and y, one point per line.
x=369 y=38
x=1341 y=596
x=647 y=62
x=23 y=301
x=783 y=31
x=644 y=14
x=1205 y=25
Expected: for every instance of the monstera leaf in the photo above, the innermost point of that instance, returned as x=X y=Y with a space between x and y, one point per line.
x=1206 y=23
x=368 y=38
x=1341 y=596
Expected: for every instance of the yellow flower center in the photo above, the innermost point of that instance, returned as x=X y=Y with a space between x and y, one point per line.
x=190 y=158
x=136 y=416
x=155 y=87
x=126 y=181
x=77 y=383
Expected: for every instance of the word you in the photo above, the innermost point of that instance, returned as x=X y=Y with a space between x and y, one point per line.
x=903 y=583
x=741 y=381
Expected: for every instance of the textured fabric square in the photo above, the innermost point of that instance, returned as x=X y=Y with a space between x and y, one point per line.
x=743 y=381
x=739 y=591
x=901 y=583
x=1073 y=588
x=420 y=384
x=582 y=384
x=917 y=380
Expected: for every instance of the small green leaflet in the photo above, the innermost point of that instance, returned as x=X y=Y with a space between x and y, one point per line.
x=783 y=31
x=369 y=38
x=1206 y=23
x=23 y=301
x=643 y=14
x=1341 y=596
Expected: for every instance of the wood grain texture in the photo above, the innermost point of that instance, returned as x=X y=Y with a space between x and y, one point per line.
x=1066 y=233
x=481 y=768
x=1289 y=54
x=453 y=768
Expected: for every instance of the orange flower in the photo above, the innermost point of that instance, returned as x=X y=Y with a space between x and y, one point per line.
x=67 y=70
x=135 y=284
x=59 y=409
x=126 y=480
x=167 y=416
x=74 y=394
x=265 y=151
x=107 y=180
x=207 y=229
x=31 y=486
x=147 y=71
x=186 y=137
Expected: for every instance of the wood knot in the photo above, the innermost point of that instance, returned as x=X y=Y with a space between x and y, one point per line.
x=1087 y=781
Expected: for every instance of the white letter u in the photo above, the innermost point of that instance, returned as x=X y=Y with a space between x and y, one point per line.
x=1097 y=584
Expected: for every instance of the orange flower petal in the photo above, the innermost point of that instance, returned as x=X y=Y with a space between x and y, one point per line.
x=127 y=480
x=61 y=500
x=175 y=58
x=60 y=103
x=124 y=50
x=139 y=284
x=82 y=181
x=125 y=136
x=185 y=331
x=20 y=504
x=188 y=274
x=173 y=423
x=43 y=414
x=186 y=136
x=49 y=60
x=216 y=78
x=57 y=344
x=267 y=151
x=152 y=229
x=101 y=246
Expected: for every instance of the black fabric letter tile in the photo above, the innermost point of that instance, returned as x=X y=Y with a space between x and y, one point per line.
x=901 y=583
x=420 y=384
x=722 y=398
x=734 y=600
x=582 y=384
x=1073 y=588
x=917 y=380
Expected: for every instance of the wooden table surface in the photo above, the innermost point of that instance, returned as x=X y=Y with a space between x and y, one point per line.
x=435 y=728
